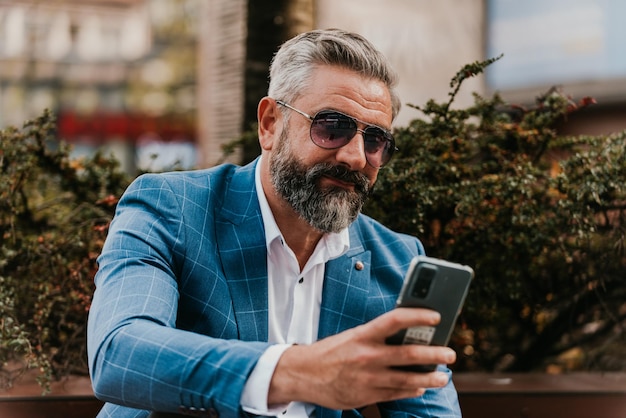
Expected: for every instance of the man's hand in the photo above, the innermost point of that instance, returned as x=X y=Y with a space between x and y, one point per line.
x=353 y=368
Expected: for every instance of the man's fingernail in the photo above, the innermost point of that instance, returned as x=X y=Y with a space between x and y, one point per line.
x=436 y=316
x=442 y=379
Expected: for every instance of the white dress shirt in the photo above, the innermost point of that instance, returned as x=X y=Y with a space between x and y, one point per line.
x=294 y=299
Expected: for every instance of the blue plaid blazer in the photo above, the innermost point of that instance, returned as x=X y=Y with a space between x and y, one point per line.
x=179 y=315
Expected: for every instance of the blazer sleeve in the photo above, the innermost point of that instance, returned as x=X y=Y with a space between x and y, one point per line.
x=137 y=356
x=441 y=403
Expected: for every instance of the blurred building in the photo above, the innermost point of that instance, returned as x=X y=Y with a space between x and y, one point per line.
x=119 y=74
x=166 y=83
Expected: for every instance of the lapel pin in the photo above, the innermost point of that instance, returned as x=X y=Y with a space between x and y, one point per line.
x=359 y=265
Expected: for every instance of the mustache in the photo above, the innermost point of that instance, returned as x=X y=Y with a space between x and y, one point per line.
x=342 y=173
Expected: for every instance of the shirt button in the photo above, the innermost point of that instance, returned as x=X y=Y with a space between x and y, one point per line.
x=359 y=265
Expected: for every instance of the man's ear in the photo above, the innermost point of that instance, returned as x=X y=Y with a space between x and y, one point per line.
x=268 y=116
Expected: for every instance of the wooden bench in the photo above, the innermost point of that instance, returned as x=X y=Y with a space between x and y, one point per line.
x=575 y=395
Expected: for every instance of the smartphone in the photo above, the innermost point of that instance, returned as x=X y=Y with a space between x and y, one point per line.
x=434 y=284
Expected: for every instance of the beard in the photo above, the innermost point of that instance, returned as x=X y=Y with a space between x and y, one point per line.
x=327 y=209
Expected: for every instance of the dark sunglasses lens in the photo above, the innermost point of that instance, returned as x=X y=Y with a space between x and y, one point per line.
x=379 y=146
x=332 y=130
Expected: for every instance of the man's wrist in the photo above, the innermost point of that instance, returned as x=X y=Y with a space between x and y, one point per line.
x=285 y=380
x=255 y=395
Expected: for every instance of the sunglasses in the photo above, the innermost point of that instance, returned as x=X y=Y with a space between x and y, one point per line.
x=331 y=130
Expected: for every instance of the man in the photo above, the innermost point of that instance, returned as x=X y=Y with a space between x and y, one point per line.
x=261 y=290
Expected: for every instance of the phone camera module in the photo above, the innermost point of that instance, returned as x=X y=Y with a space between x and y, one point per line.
x=425 y=277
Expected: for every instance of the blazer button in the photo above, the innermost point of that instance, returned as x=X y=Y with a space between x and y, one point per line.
x=359 y=265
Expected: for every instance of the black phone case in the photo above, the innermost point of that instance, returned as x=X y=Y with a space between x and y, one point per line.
x=448 y=286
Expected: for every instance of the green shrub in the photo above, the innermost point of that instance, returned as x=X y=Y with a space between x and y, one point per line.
x=540 y=217
x=54 y=214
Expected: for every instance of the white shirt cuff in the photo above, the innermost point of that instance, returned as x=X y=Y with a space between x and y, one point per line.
x=256 y=390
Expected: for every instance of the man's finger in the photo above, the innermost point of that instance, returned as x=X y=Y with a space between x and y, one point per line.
x=410 y=354
x=400 y=318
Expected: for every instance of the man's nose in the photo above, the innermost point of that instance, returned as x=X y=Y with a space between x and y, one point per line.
x=353 y=153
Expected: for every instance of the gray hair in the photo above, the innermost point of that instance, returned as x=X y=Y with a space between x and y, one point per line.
x=292 y=66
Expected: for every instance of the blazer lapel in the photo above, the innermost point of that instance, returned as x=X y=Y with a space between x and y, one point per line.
x=346 y=289
x=243 y=253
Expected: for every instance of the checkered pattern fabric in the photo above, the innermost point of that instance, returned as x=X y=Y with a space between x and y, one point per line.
x=179 y=316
